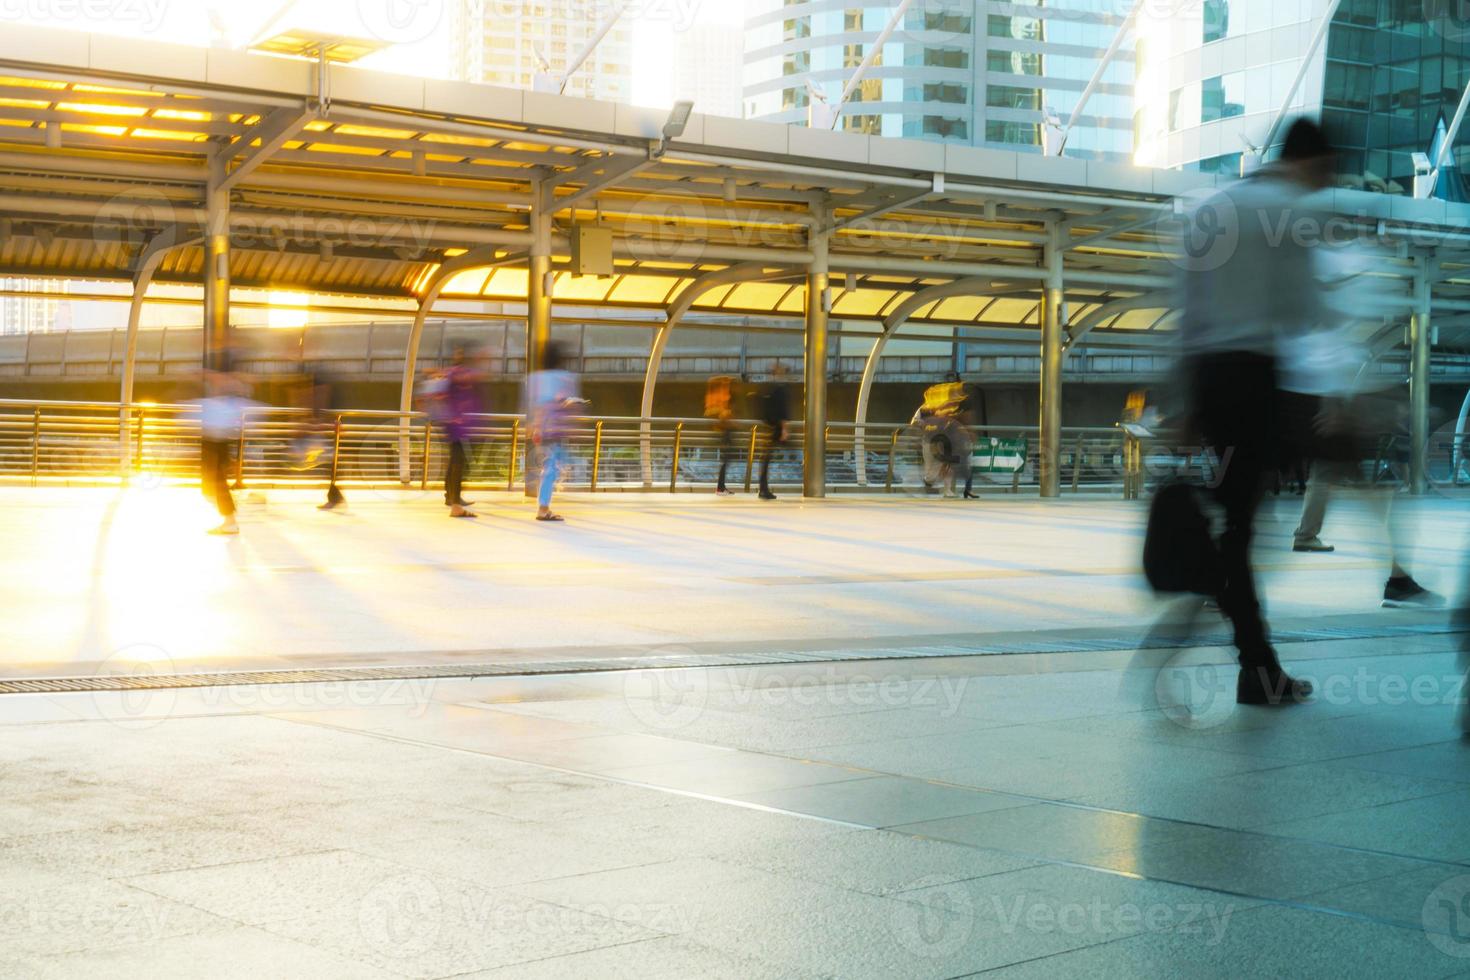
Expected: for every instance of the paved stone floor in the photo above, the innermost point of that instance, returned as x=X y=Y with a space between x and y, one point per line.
x=1077 y=810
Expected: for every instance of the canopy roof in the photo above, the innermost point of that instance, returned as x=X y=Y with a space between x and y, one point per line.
x=366 y=185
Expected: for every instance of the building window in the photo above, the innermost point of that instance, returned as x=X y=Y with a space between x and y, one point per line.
x=946 y=128
x=946 y=92
x=946 y=58
x=1022 y=134
x=1217 y=19
x=1228 y=163
x=1012 y=97
x=1222 y=97
x=1014 y=62
x=942 y=20
x=1021 y=28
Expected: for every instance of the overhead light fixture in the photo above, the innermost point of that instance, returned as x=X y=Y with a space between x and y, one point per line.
x=675 y=125
x=304 y=43
x=678 y=119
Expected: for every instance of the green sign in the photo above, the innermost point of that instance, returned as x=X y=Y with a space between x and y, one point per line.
x=999 y=455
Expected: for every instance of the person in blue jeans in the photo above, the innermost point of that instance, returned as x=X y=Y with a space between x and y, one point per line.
x=552 y=395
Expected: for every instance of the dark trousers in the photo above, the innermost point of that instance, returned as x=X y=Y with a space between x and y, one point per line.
x=454 y=474
x=214 y=474
x=772 y=444
x=1238 y=410
x=727 y=440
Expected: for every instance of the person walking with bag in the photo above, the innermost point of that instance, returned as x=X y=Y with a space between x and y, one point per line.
x=552 y=395
x=1247 y=292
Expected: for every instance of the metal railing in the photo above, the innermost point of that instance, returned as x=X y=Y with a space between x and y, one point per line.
x=100 y=442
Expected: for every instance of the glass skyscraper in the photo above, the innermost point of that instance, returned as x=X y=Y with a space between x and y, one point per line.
x=1213 y=76
x=967 y=71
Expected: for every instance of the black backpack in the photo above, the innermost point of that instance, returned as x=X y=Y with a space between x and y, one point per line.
x=1179 y=553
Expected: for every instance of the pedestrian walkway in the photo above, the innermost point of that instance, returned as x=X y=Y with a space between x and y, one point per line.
x=931 y=817
x=100 y=581
x=911 y=739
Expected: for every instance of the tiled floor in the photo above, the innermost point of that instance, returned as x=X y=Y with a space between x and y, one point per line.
x=1028 y=814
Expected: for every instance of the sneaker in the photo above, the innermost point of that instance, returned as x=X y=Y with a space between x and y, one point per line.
x=339 y=506
x=722 y=492
x=1313 y=546
x=1405 y=593
x=458 y=511
x=767 y=495
x=228 y=527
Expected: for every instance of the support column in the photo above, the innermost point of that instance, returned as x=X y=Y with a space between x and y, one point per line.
x=538 y=297
x=216 y=267
x=814 y=440
x=538 y=300
x=1420 y=343
x=1052 y=335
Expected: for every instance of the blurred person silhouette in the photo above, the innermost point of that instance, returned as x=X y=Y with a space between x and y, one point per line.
x=776 y=415
x=1248 y=288
x=221 y=417
x=459 y=393
x=945 y=440
x=553 y=394
x=315 y=446
x=718 y=408
x=1323 y=377
x=968 y=416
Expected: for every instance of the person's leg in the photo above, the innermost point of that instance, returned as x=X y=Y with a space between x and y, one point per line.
x=725 y=441
x=454 y=474
x=1320 y=480
x=550 y=471
x=766 y=466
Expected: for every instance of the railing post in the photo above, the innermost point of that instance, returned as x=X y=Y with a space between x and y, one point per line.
x=138 y=455
x=674 y=464
x=35 y=445
x=1077 y=464
x=755 y=431
x=240 y=458
x=336 y=449
x=428 y=451
x=892 y=452
x=596 y=454
x=515 y=452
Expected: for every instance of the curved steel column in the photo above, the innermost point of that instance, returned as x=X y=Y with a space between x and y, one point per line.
x=1421 y=339
x=148 y=263
x=891 y=324
x=1052 y=352
x=814 y=388
x=682 y=304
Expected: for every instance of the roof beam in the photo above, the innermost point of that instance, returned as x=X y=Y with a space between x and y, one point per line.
x=273 y=132
x=605 y=182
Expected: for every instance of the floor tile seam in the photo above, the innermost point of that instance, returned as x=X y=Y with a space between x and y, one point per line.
x=1026 y=855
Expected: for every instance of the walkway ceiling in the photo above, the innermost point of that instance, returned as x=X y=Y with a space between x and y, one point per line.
x=105 y=146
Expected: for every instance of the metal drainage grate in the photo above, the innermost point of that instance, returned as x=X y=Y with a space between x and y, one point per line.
x=309 y=675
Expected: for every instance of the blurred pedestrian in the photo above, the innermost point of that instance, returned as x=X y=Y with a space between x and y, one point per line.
x=459 y=390
x=553 y=394
x=221 y=417
x=776 y=414
x=1246 y=289
x=718 y=397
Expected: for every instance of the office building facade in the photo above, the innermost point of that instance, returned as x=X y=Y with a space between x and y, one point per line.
x=502 y=42
x=964 y=71
x=1386 y=80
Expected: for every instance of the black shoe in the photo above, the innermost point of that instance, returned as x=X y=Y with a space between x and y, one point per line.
x=971 y=496
x=1400 y=593
x=1270 y=686
x=1313 y=546
x=767 y=495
